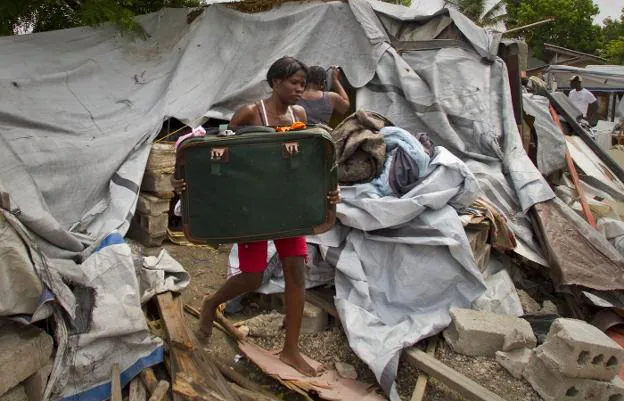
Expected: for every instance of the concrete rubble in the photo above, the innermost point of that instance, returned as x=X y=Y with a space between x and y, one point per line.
x=478 y=333
x=25 y=362
x=576 y=362
x=514 y=361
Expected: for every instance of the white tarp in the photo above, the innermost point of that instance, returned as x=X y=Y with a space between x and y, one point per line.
x=80 y=108
x=595 y=77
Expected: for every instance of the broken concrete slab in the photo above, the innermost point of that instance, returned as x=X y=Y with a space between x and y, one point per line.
x=346 y=371
x=23 y=351
x=314 y=320
x=551 y=385
x=156 y=182
x=514 y=361
x=478 y=333
x=17 y=393
x=529 y=305
x=578 y=349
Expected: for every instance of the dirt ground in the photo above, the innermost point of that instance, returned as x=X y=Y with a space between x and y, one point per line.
x=207 y=268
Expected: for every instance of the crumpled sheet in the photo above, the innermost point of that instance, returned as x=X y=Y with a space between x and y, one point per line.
x=160 y=274
x=20 y=287
x=109 y=326
x=574 y=246
x=551 y=144
x=360 y=148
x=402 y=263
x=499 y=233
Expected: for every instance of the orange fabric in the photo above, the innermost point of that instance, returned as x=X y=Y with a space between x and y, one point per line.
x=294 y=126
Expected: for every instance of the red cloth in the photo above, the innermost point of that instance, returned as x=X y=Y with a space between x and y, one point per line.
x=252 y=256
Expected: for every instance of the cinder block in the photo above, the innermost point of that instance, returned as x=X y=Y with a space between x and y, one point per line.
x=23 y=351
x=578 y=349
x=314 y=319
x=153 y=225
x=17 y=393
x=478 y=333
x=35 y=385
x=551 y=385
x=151 y=205
x=136 y=233
x=156 y=182
x=514 y=361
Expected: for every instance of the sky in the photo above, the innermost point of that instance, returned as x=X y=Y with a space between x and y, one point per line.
x=608 y=8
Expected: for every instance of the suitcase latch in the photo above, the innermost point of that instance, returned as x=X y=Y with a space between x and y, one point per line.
x=219 y=154
x=289 y=149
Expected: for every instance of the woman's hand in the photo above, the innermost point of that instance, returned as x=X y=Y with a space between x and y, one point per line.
x=179 y=186
x=335 y=73
x=334 y=196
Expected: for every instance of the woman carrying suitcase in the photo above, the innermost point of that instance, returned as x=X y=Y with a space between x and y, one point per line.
x=287 y=78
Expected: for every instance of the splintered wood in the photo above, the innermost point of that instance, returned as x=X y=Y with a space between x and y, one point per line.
x=194 y=375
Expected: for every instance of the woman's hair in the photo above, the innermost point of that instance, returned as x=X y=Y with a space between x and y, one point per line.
x=284 y=68
x=317 y=75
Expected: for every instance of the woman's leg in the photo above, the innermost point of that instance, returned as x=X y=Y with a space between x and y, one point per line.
x=295 y=298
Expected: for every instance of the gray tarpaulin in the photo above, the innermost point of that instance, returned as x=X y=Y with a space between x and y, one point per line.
x=80 y=107
x=551 y=145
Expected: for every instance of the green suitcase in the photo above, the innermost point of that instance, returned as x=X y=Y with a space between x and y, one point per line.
x=257 y=185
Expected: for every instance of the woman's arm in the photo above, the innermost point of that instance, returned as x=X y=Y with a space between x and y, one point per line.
x=246 y=115
x=339 y=98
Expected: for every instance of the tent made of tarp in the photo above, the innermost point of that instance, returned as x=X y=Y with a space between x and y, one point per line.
x=81 y=107
x=602 y=78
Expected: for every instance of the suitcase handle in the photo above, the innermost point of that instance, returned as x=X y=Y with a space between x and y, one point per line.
x=254 y=130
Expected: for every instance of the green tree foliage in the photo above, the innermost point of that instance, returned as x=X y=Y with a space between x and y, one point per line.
x=477 y=11
x=613 y=40
x=46 y=15
x=573 y=27
x=614 y=51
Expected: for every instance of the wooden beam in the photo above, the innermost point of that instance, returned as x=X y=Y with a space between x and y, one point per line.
x=575 y=178
x=469 y=389
x=187 y=359
x=116 y=383
x=176 y=331
x=160 y=392
x=244 y=382
x=137 y=391
x=318 y=300
x=421 y=382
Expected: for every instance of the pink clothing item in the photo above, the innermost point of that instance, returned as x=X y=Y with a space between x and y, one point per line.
x=199 y=131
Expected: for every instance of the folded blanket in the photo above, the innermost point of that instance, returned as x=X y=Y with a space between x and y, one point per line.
x=360 y=148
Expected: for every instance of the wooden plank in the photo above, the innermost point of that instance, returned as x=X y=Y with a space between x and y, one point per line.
x=149 y=379
x=191 y=363
x=137 y=390
x=170 y=313
x=244 y=382
x=421 y=382
x=469 y=389
x=160 y=392
x=318 y=300
x=575 y=178
x=116 y=383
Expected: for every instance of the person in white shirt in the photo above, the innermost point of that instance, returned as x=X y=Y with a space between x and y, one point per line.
x=583 y=99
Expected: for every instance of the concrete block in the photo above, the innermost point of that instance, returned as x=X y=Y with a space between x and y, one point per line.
x=153 y=225
x=151 y=205
x=17 y=393
x=35 y=385
x=314 y=319
x=23 y=351
x=551 y=385
x=478 y=333
x=578 y=349
x=529 y=305
x=156 y=182
x=136 y=233
x=514 y=361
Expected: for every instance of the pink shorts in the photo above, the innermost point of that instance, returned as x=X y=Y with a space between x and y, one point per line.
x=252 y=256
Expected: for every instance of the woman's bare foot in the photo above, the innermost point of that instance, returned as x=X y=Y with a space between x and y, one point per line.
x=296 y=360
x=207 y=316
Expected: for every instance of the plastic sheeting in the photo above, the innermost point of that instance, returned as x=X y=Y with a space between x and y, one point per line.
x=403 y=263
x=551 y=144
